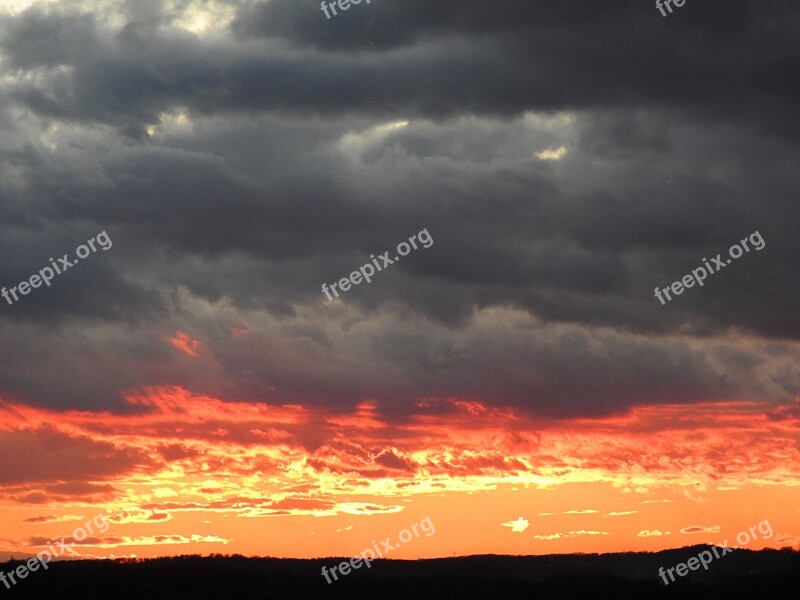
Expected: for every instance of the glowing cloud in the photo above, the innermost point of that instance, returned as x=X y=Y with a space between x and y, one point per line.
x=517 y=526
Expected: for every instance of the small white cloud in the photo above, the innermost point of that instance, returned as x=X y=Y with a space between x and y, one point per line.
x=552 y=153
x=518 y=526
x=622 y=514
x=651 y=533
x=588 y=511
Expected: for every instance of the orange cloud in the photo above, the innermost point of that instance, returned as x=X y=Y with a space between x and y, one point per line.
x=180 y=459
x=185 y=343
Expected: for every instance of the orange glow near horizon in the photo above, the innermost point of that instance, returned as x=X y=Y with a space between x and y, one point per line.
x=190 y=474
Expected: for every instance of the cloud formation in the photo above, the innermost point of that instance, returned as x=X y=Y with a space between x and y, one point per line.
x=567 y=158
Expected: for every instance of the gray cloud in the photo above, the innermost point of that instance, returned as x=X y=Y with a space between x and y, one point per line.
x=239 y=170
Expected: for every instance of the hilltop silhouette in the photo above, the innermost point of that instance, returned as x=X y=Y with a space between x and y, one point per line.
x=763 y=574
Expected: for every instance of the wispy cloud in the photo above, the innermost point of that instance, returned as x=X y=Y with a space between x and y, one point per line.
x=700 y=529
x=569 y=534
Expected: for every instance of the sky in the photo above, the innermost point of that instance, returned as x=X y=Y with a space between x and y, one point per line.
x=518 y=377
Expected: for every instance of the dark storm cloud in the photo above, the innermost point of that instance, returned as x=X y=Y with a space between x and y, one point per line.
x=727 y=61
x=237 y=172
x=393 y=23
x=90 y=289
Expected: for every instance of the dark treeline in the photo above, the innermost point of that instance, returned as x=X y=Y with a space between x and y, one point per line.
x=765 y=574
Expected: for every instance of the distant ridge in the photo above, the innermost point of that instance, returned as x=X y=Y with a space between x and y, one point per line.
x=757 y=574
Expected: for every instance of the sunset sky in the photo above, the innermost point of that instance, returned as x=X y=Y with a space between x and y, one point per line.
x=517 y=382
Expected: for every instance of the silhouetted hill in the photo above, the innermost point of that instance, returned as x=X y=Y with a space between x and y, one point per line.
x=760 y=575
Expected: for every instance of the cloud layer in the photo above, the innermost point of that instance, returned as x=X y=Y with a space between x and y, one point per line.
x=566 y=158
